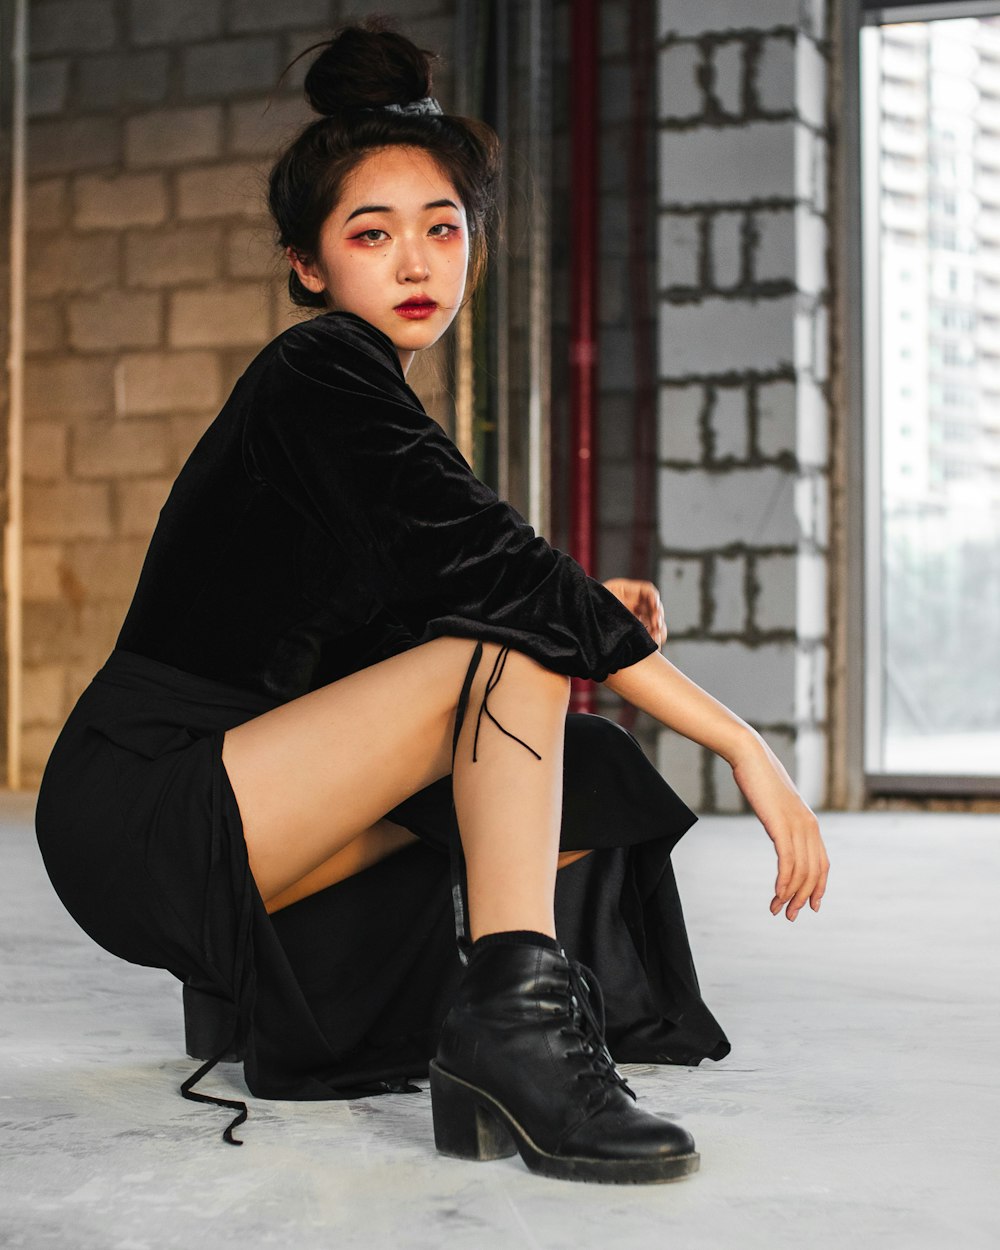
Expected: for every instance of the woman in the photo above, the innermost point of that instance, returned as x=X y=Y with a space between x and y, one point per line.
x=235 y=796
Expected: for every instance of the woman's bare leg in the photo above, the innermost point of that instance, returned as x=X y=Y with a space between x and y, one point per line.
x=510 y=801
x=311 y=775
x=383 y=839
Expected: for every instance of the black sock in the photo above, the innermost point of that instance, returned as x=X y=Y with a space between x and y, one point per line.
x=516 y=937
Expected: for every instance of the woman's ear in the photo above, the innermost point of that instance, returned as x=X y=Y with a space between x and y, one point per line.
x=306 y=269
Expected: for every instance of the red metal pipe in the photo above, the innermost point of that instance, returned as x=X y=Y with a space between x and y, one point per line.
x=641 y=192
x=584 y=272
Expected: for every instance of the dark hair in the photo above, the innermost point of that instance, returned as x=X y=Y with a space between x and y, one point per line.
x=361 y=68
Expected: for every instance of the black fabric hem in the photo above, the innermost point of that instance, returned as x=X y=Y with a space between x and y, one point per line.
x=363 y=1017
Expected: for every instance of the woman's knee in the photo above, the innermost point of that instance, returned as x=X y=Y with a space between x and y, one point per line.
x=513 y=686
x=518 y=666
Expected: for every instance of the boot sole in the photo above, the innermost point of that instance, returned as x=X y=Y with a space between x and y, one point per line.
x=469 y=1123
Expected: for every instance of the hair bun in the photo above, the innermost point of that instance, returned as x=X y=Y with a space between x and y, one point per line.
x=366 y=66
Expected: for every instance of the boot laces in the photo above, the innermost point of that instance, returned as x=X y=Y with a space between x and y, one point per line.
x=588 y=1025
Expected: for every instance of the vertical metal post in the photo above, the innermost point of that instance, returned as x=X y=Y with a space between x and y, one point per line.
x=583 y=278
x=539 y=144
x=463 y=368
x=865 y=445
x=15 y=376
x=583 y=299
x=501 y=260
x=846 y=756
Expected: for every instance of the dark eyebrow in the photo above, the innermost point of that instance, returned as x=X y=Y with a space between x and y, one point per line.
x=369 y=208
x=384 y=208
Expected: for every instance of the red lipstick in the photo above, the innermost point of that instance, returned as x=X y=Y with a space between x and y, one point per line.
x=416 y=308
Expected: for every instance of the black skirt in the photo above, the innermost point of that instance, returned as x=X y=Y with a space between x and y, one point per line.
x=342 y=994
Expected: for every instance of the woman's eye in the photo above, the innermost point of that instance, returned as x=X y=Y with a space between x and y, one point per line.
x=374 y=235
x=446 y=230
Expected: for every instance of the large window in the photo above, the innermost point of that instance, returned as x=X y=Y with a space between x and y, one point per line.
x=930 y=200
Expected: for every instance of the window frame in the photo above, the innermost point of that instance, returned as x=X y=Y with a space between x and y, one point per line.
x=863 y=777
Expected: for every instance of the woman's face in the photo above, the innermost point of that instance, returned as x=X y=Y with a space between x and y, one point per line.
x=395 y=249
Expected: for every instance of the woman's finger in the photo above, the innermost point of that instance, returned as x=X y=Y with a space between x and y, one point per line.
x=820 y=889
x=800 y=899
x=798 y=881
x=800 y=884
x=807 y=863
x=816 y=859
x=661 y=621
x=785 y=847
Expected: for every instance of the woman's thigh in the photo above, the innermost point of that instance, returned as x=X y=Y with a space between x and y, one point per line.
x=314 y=773
x=369 y=847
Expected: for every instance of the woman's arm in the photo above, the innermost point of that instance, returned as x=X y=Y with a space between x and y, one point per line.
x=333 y=429
x=655 y=686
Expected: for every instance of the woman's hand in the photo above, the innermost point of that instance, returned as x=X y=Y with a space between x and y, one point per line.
x=659 y=688
x=643 y=600
x=803 y=864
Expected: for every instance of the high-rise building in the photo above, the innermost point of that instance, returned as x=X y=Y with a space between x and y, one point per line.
x=939 y=163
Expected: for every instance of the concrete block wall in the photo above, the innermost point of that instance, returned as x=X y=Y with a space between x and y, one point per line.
x=743 y=400
x=152 y=282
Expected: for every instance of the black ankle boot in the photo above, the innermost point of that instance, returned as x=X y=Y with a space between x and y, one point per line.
x=522 y=1066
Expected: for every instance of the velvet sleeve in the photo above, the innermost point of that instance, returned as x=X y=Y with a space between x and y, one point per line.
x=334 y=428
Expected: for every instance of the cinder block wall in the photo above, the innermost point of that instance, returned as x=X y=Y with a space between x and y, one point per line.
x=744 y=414
x=152 y=282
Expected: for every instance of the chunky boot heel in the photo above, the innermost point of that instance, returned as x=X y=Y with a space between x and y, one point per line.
x=463 y=1128
x=209 y=1022
x=522 y=1066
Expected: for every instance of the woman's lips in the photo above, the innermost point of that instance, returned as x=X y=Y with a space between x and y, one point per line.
x=416 y=311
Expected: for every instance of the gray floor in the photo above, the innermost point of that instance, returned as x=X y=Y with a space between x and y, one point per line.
x=859 y=1106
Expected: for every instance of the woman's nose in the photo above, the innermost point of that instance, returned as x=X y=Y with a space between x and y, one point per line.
x=413 y=265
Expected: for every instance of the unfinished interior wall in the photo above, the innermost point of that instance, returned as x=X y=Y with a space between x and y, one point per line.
x=152 y=282
x=744 y=413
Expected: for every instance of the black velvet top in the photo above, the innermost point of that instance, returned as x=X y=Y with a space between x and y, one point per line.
x=325 y=520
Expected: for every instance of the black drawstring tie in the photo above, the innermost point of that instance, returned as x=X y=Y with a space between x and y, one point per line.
x=243 y=971
x=492 y=683
x=234 y=1103
x=459 y=884
x=243 y=976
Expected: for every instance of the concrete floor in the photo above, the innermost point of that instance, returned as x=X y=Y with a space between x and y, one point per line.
x=858 y=1108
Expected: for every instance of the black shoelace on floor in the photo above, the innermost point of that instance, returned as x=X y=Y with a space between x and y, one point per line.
x=243 y=982
x=236 y=1104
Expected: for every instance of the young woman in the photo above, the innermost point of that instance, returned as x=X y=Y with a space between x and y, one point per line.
x=255 y=790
